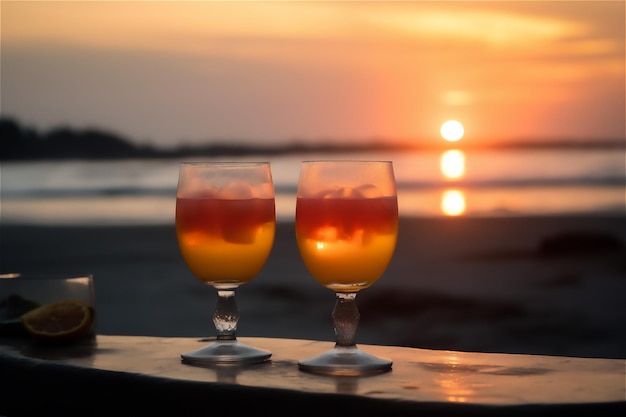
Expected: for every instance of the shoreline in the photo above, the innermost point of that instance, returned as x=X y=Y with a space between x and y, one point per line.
x=541 y=285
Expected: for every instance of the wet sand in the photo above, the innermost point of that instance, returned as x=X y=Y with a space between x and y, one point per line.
x=538 y=285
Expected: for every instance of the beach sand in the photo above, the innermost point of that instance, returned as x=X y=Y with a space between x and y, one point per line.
x=537 y=285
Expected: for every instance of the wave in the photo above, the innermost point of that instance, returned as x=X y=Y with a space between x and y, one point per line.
x=119 y=191
x=609 y=181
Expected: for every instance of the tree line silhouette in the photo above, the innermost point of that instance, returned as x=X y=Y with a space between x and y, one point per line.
x=21 y=143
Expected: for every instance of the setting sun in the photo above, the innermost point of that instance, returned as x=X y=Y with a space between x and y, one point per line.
x=452 y=130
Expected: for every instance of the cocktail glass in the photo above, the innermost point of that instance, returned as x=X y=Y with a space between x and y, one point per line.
x=225 y=226
x=346 y=229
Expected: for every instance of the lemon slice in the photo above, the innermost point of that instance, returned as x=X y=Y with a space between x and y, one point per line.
x=61 y=320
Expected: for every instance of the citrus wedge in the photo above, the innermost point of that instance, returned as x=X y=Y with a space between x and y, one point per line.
x=61 y=320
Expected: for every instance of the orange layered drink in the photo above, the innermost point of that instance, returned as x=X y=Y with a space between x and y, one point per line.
x=345 y=238
x=225 y=241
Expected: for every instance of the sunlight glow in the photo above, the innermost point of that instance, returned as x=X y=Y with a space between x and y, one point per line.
x=456 y=98
x=452 y=164
x=491 y=27
x=452 y=130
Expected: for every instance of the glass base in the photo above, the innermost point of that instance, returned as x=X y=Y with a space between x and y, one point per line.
x=348 y=361
x=225 y=352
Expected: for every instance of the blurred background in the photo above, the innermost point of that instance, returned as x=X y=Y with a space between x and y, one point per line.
x=534 y=91
x=165 y=74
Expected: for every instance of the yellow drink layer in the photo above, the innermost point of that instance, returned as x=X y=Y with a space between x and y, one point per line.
x=347 y=265
x=214 y=260
x=346 y=243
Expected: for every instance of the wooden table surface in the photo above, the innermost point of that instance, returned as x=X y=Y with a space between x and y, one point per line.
x=440 y=382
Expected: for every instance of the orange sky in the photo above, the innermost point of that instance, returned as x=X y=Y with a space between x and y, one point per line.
x=161 y=72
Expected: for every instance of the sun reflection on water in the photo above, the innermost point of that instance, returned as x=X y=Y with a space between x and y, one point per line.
x=453 y=202
x=452 y=164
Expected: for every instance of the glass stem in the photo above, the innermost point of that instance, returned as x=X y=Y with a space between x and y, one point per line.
x=345 y=319
x=226 y=315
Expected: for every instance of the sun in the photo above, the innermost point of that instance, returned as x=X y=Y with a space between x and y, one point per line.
x=452 y=130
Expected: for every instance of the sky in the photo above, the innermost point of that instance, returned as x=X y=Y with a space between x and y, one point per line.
x=165 y=73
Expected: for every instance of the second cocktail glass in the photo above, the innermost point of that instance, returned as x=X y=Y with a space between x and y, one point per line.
x=225 y=226
x=346 y=229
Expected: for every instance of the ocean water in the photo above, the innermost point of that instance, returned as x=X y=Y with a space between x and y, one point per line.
x=435 y=183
